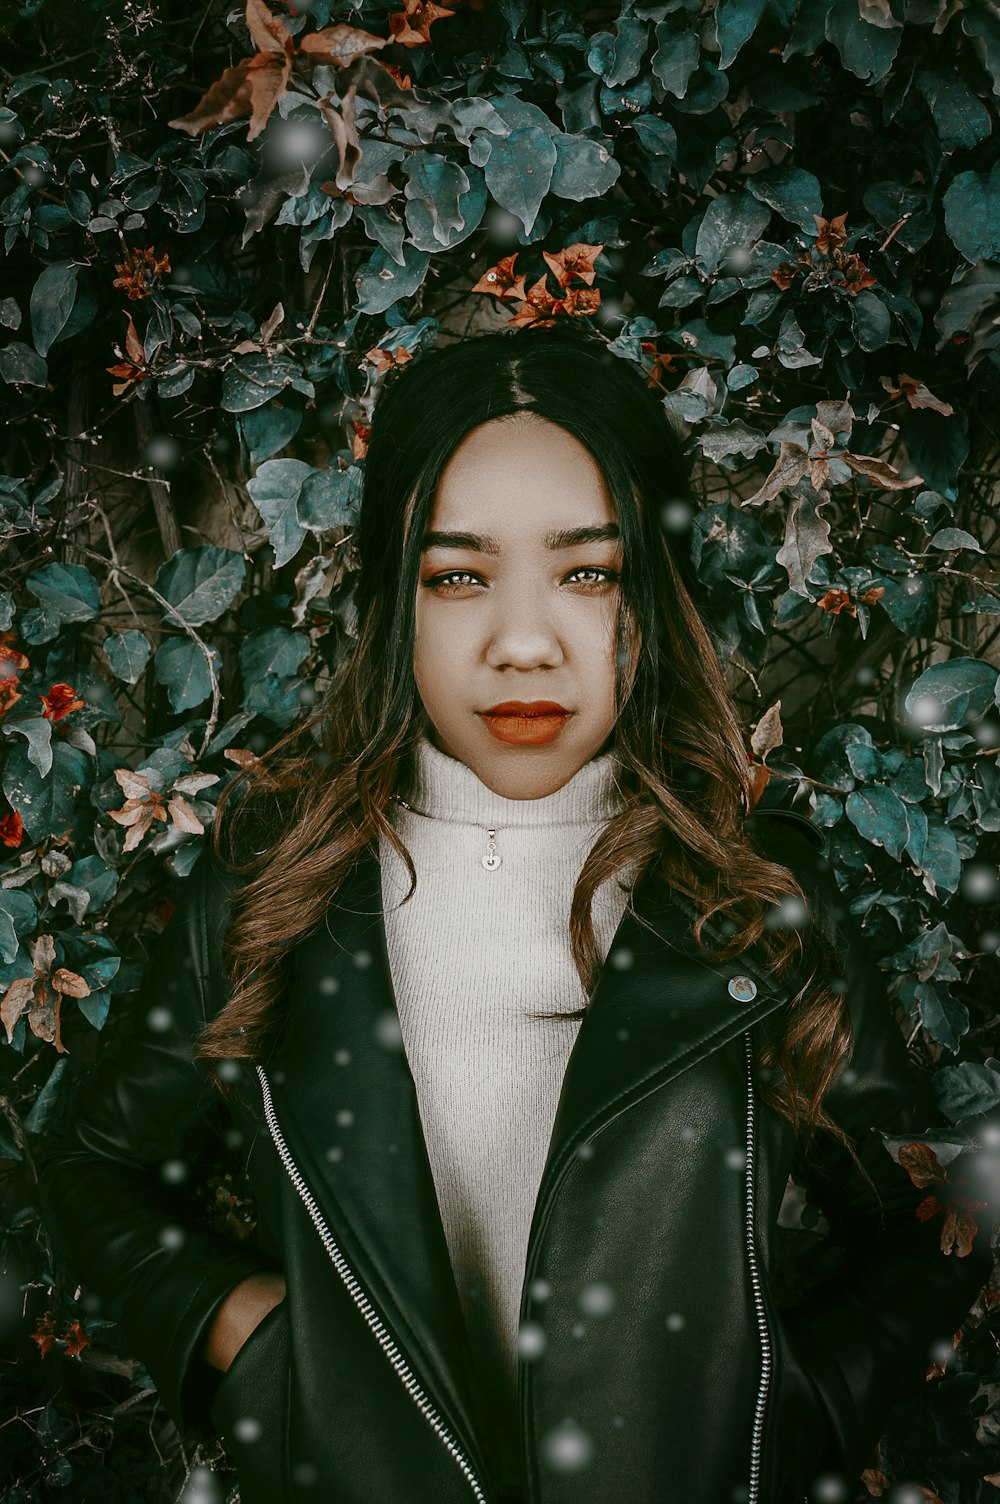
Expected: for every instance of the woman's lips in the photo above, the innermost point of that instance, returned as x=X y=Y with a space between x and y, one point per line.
x=526 y=730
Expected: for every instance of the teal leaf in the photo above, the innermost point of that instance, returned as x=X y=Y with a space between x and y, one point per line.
x=871 y=320
x=795 y=194
x=676 y=59
x=272 y=650
x=967 y=1088
x=18 y=916
x=948 y=538
x=46 y=805
x=736 y=21
x=943 y=1017
x=380 y=282
x=68 y=592
x=52 y=299
x=257 y=378
x=37 y=732
x=437 y=184
x=731 y=221
x=328 y=498
x=269 y=428
x=947 y=695
x=20 y=365
x=201 y=583
x=866 y=50
x=961 y=118
x=419 y=221
x=180 y=665
x=127 y=653
x=583 y=168
x=44 y=1104
x=274 y=491
x=879 y=816
x=519 y=170
x=972 y=214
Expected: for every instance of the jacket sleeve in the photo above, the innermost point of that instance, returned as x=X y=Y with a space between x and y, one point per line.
x=115 y=1223
x=867 y=1334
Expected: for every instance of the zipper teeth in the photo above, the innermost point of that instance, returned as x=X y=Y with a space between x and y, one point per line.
x=765 y=1376
x=361 y=1300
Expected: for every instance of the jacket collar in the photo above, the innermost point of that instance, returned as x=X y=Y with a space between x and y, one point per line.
x=345 y=1099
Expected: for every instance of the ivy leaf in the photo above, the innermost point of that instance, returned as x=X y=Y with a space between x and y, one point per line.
x=380 y=282
x=583 y=168
x=879 y=815
x=519 y=170
x=972 y=214
x=68 y=592
x=127 y=653
x=201 y=583
x=731 y=221
x=795 y=194
x=807 y=536
x=52 y=299
x=46 y=805
x=947 y=695
x=180 y=664
x=20 y=365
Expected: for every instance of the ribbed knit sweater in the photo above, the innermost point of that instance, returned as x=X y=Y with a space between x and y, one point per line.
x=470 y=954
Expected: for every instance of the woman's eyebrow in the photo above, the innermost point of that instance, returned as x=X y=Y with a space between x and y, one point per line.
x=567 y=538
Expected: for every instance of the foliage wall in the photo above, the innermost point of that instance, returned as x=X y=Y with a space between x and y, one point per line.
x=223 y=232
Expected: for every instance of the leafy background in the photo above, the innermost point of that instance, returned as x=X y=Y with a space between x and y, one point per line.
x=223 y=232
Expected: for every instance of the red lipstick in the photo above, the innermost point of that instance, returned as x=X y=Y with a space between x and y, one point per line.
x=526 y=723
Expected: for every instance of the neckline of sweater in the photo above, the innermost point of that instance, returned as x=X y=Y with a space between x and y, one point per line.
x=444 y=788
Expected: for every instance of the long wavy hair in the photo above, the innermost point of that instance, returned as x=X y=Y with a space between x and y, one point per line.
x=320 y=793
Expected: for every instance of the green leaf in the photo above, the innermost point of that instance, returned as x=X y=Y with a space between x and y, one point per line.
x=328 y=498
x=46 y=805
x=274 y=491
x=437 y=184
x=948 y=538
x=943 y=1017
x=381 y=282
x=18 y=916
x=948 y=695
x=583 y=168
x=967 y=1088
x=736 y=21
x=519 y=170
x=52 y=299
x=267 y=429
x=731 y=221
x=972 y=214
x=180 y=664
x=879 y=816
x=676 y=60
x=961 y=118
x=871 y=320
x=37 y=732
x=795 y=194
x=20 y=365
x=201 y=583
x=68 y=592
x=865 y=50
x=272 y=650
x=127 y=653
x=256 y=379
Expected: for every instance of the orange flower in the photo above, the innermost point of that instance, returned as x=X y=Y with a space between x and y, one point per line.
x=11 y=656
x=837 y=600
x=404 y=81
x=411 y=26
x=133 y=367
x=959 y=1227
x=11 y=829
x=9 y=692
x=383 y=360
x=59 y=701
x=139 y=274
x=501 y=281
x=359 y=442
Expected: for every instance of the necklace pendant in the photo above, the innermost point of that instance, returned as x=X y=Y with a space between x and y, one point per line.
x=492 y=859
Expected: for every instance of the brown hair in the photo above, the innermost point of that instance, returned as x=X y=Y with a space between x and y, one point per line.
x=320 y=793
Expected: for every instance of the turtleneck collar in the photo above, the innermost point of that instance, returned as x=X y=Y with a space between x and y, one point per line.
x=446 y=789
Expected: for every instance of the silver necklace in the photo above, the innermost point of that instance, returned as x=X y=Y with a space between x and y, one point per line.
x=491 y=858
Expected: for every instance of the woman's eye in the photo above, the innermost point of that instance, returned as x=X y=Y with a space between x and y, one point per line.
x=444 y=582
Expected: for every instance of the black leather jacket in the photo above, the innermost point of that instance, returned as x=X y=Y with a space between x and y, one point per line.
x=664 y=1179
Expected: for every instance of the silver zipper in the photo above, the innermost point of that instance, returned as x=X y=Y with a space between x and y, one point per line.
x=361 y=1300
x=765 y=1373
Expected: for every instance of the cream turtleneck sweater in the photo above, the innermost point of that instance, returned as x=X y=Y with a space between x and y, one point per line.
x=470 y=954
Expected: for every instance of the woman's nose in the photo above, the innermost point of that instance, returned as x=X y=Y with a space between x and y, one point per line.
x=522 y=631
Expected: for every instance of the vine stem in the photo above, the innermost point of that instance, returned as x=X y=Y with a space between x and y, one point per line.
x=116 y=570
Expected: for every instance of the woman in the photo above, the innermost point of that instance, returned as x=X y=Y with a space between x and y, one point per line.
x=518 y=1135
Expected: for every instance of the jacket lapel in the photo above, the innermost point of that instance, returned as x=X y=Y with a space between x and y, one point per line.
x=346 y=1102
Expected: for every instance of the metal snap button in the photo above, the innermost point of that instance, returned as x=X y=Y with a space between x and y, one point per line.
x=742 y=988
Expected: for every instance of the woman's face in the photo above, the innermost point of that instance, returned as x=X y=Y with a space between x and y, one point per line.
x=501 y=615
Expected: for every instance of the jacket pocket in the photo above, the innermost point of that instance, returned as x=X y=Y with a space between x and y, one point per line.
x=801 y=1439
x=250 y=1409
